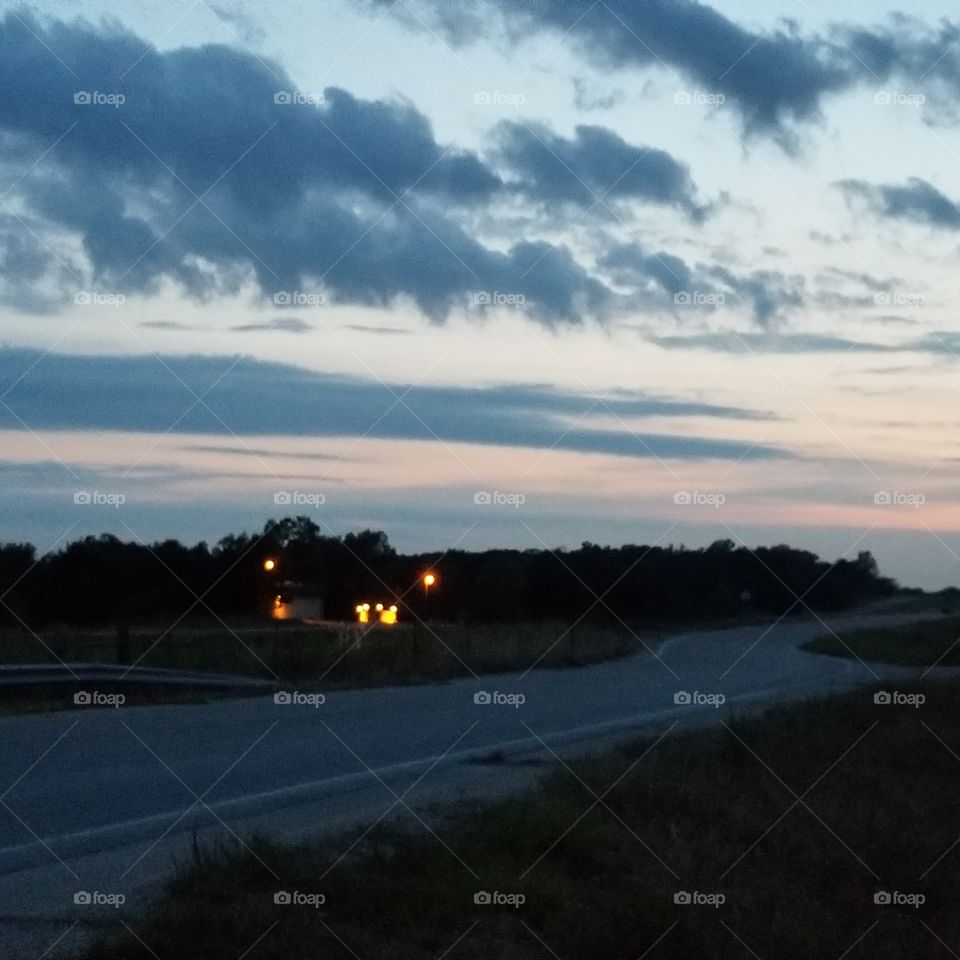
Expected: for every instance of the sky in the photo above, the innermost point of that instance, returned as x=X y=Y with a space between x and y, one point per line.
x=483 y=274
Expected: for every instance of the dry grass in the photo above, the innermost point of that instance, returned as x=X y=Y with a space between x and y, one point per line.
x=910 y=645
x=712 y=812
x=338 y=654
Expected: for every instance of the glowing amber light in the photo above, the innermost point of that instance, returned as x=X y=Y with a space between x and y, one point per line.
x=281 y=610
x=388 y=617
x=269 y=564
x=429 y=580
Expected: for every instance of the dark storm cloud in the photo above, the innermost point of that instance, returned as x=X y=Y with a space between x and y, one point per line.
x=593 y=168
x=916 y=200
x=671 y=281
x=629 y=264
x=199 y=109
x=775 y=78
x=248 y=397
x=214 y=164
x=927 y=57
x=770 y=292
x=27 y=265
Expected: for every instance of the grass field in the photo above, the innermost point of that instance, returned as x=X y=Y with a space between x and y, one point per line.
x=914 y=645
x=337 y=654
x=799 y=820
x=943 y=601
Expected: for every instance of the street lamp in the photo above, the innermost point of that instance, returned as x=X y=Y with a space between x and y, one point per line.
x=276 y=607
x=429 y=579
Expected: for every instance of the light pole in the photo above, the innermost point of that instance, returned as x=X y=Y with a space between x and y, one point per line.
x=269 y=566
x=429 y=579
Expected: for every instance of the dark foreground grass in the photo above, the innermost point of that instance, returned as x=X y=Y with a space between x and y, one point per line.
x=912 y=645
x=798 y=819
x=338 y=654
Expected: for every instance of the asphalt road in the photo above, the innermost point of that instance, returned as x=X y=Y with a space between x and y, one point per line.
x=78 y=782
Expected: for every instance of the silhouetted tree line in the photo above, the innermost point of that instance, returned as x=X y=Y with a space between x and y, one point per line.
x=104 y=581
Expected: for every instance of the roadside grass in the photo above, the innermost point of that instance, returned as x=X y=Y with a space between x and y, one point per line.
x=798 y=818
x=338 y=654
x=944 y=601
x=910 y=645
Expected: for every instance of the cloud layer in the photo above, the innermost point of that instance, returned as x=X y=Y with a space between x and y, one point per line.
x=916 y=200
x=207 y=166
x=777 y=79
x=239 y=396
x=204 y=165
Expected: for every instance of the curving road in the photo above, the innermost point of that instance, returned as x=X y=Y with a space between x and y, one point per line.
x=83 y=781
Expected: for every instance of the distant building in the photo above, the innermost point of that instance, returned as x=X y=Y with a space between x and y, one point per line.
x=298 y=601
